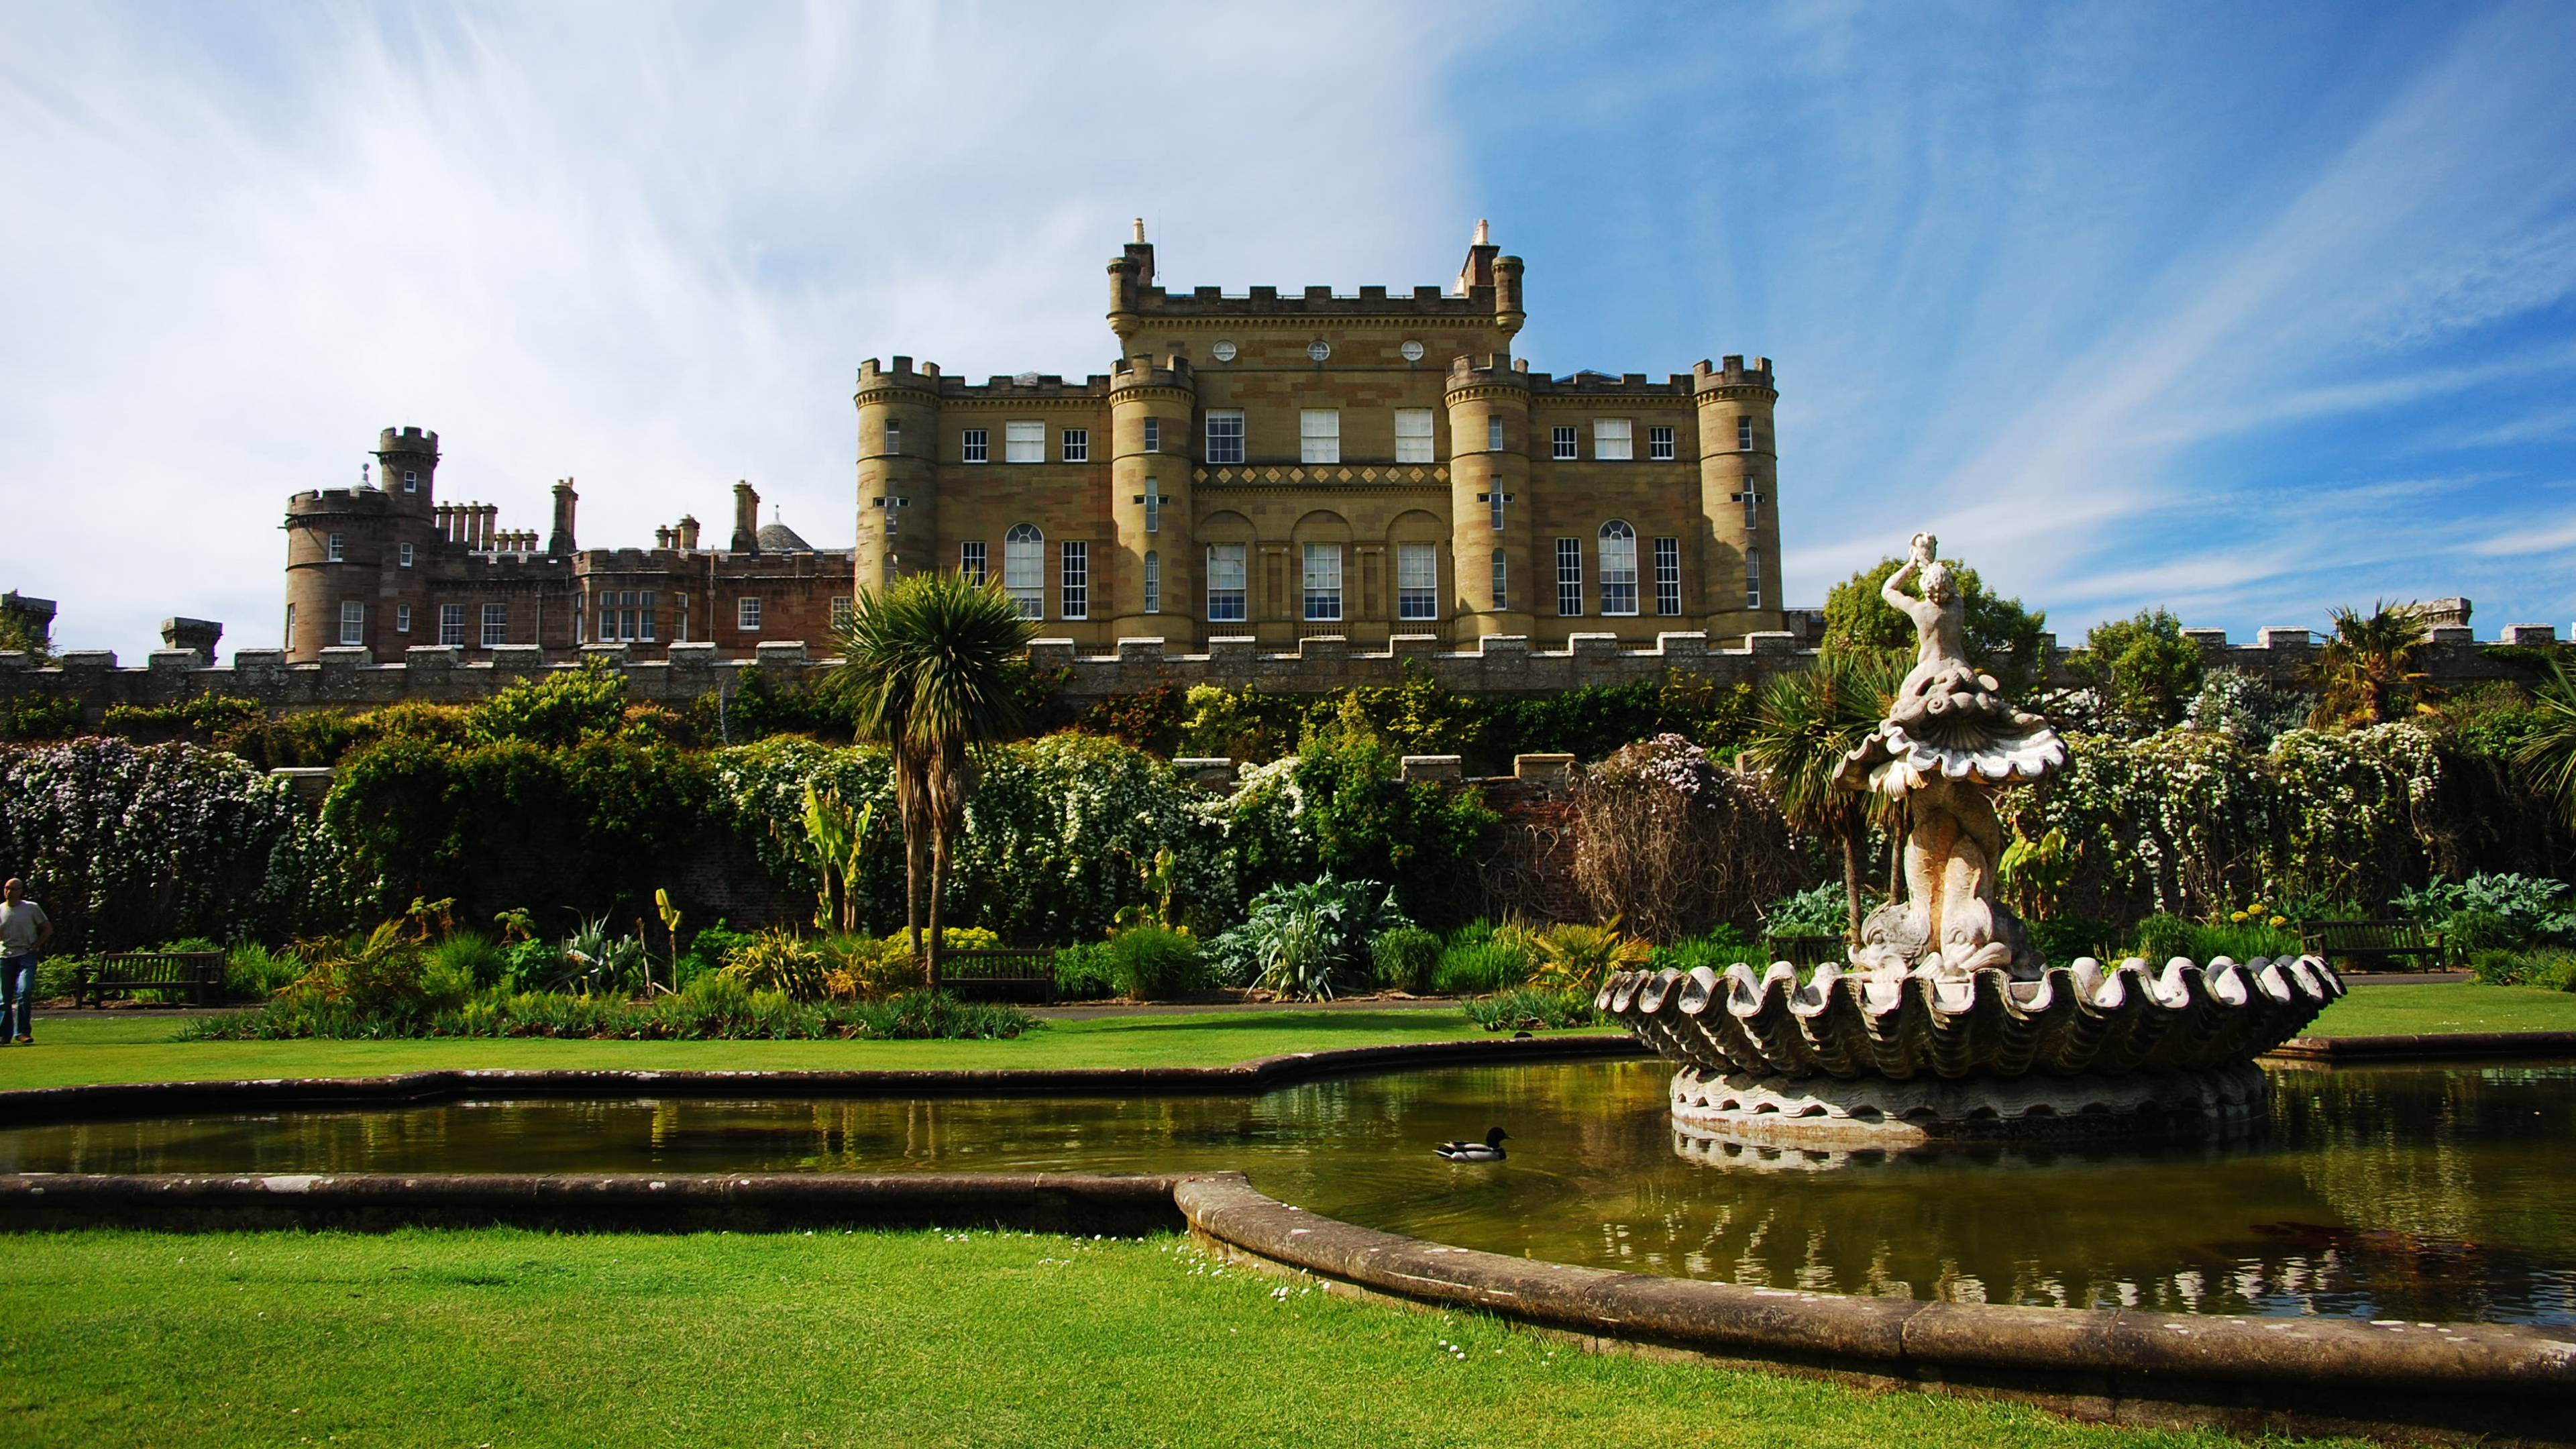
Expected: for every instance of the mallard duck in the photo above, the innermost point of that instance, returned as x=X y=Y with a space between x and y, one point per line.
x=1489 y=1150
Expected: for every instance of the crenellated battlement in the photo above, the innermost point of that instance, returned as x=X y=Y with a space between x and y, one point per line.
x=1318 y=302
x=409 y=441
x=1732 y=372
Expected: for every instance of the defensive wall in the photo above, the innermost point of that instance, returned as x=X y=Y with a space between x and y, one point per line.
x=354 y=679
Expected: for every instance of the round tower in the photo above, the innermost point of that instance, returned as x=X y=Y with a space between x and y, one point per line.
x=356 y=557
x=898 y=456
x=1491 y=587
x=1153 y=586
x=1739 y=512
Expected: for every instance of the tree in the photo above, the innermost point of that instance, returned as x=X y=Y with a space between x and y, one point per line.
x=2143 y=669
x=1809 y=721
x=2366 y=672
x=2003 y=637
x=926 y=663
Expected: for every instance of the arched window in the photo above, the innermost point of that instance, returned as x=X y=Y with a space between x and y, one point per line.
x=1618 y=568
x=1024 y=568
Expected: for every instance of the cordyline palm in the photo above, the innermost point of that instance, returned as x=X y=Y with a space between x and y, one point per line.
x=925 y=662
x=2365 y=673
x=2548 y=753
x=1809 y=721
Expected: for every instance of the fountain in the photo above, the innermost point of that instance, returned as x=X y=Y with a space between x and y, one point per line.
x=1946 y=1024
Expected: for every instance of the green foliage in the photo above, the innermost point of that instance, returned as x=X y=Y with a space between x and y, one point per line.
x=2240 y=942
x=1716 y=949
x=2469 y=934
x=1246 y=726
x=1530 y=1008
x=1819 y=910
x=1342 y=807
x=2547 y=752
x=2162 y=936
x=205 y=719
x=39 y=717
x=750 y=708
x=2061 y=940
x=559 y=708
x=2247 y=708
x=1476 y=967
x=1574 y=959
x=253 y=972
x=1308 y=940
x=127 y=844
x=781 y=961
x=1407 y=958
x=1083 y=973
x=1422 y=717
x=714 y=1007
x=1152 y=720
x=1154 y=963
x=2366 y=675
x=2526 y=909
x=2002 y=636
x=2143 y=669
x=2550 y=968
x=27 y=634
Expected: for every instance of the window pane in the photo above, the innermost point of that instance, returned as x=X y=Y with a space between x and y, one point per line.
x=1744 y=434
x=1073 y=580
x=1502 y=581
x=1417 y=581
x=1077 y=445
x=496 y=625
x=1153 y=507
x=1225 y=435
x=1023 y=561
x=451 y=623
x=1413 y=435
x=973 y=446
x=1153 y=582
x=1668 y=576
x=1153 y=435
x=1319 y=436
x=1752 y=580
x=1569 y=576
x=1498 y=498
x=970 y=561
x=1618 y=568
x=402 y=618
x=1024 y=442
x=1560 y=443
x=1612 y=439
x=1225 y=574
x=1493 y=435
x=353 y=623
x=1323 y=581
x=1659 y=444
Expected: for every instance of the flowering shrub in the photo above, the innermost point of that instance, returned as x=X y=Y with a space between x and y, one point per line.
x=127 y=844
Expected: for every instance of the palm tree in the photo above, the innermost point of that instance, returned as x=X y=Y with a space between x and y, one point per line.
x=2548 y=753
x=1808 y=722
x=2364 y=673
x=925 y=662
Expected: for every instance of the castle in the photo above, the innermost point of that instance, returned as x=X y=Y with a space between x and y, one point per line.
x=1369 y=467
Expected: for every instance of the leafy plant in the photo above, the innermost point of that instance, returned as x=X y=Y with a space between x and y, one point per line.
x=1717 y=949
x=2143 y=668
x=594 y=961
x=1530 y=1009
x=2525 y=908
x=778 y=960
x=2366 y=674
x=1407 y=958
x=1149 y=963
x=1809 y=722
x=2161 y=937
x=1305 y=941
x=1575 y=959
x=559 y=708
x=1819 y=910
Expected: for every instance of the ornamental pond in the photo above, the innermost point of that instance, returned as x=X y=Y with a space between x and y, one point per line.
x=2421 y=1192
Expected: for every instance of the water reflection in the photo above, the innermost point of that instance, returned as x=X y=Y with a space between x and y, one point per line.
x=2416 y=1192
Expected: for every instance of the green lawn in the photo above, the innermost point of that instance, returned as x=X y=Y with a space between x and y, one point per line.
x=508 y=1338
x=129 y=1049
x=2449 y=1007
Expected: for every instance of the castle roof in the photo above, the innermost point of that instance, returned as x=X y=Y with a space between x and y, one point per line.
x=776 y=537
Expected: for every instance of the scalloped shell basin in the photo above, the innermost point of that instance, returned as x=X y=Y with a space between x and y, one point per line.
x=2077 y=1020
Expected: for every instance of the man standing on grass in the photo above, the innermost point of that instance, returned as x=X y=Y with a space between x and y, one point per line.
x=24 y=930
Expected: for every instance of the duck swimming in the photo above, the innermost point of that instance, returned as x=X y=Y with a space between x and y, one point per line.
x=1489 y=1150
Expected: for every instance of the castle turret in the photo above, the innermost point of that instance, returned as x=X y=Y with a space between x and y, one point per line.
x=1156 y=572
x=353 y=554
x=898 y=472
x=1738 y=477
x=1490 y=506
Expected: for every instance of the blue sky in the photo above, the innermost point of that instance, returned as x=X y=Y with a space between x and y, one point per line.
x=2245 y=311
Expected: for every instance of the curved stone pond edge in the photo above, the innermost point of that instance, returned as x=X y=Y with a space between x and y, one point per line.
x=2398 y=1382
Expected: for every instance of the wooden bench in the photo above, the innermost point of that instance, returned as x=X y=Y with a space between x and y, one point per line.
x=198 y=973
x=1804 y=952
x=1000 y=975
x=2376 y=945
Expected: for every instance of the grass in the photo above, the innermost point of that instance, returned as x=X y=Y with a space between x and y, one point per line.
x=131 y=1049
x=508 y=1338
x=2448 y=1007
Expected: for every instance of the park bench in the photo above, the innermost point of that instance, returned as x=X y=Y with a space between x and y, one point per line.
x=198 y=973
x=2375 y=945
x=1000 y=975
x=1805 y=952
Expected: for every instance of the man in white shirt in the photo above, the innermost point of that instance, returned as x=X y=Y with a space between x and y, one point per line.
x=24 y=930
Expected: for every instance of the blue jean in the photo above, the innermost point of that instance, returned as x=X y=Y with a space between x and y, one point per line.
x=17 y=996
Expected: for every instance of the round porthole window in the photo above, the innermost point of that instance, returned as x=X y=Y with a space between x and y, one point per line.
x=1319 y=349
x=1412 y=350
x=1224 y=351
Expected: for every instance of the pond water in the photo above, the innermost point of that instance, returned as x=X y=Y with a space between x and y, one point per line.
x=2418 y=1192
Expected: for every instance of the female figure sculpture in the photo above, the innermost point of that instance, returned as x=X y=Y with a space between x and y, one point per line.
x=1948 y=742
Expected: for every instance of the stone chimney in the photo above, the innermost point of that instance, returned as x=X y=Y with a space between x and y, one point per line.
x=746 y=519
x=688 y=530
x=561 y=544
x=196 y=635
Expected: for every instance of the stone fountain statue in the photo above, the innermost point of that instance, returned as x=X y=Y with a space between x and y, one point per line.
x=1946 y=1023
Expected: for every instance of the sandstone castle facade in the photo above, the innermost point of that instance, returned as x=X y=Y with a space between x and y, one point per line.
x=1264 y=467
